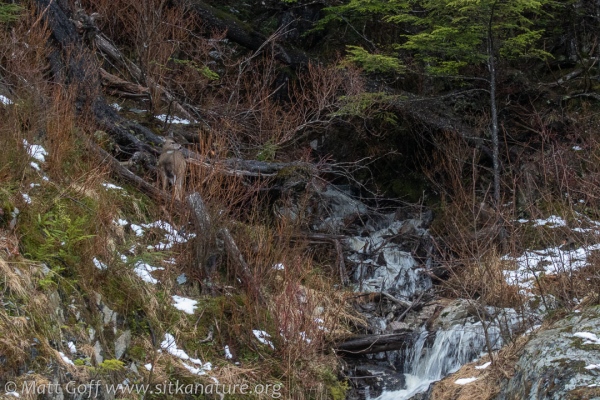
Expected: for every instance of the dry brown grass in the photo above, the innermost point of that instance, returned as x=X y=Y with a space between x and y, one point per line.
x=487 y=385
x=25 y=314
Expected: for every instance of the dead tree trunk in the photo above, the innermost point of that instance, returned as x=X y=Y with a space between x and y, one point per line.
x=374 y=343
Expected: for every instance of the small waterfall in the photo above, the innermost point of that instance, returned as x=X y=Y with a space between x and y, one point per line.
x=452 y=348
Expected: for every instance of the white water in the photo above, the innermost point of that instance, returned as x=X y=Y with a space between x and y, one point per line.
x=451 y=349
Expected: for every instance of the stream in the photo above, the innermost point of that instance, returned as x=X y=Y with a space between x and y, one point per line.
x=392 y=255
x=393 y=259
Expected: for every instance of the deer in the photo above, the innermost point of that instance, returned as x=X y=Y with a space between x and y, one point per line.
x=172 y=167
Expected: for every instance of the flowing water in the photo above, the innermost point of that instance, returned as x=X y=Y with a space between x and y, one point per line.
x=451 y=349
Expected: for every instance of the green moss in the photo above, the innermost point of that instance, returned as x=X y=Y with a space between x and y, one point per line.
x=112 y=365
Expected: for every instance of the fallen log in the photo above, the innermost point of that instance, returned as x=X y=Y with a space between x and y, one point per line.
x=370 y=344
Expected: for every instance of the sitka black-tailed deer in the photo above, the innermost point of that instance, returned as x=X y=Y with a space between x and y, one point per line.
x=172 y=167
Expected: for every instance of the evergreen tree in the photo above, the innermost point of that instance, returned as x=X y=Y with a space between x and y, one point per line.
x=451 y=34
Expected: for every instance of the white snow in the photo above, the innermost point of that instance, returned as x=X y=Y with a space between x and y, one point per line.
x=465 y=381
x=305 y=338
x=554 y=221
x=483 y=366
x=279 y=267
x=577 y=148
x=170 y=346
x=65 y=358
x=320 y=323
x=173 y=119
x=116 y=106
x=263 y=337
x=593 y=366
x=26 y=198
x=111 y=186
x=148 y=366
x=35 y=166
x=137 y=229
x=99 y=264
x=193 y=370
x=72 y=347
x=35 y=151
x=5 y=100
x=143 y=270
x=549 y=261
x=184 y=304
x=172 y=235
x=14 y=394
x=228 y=354
x=589 y=337
x=122 y=222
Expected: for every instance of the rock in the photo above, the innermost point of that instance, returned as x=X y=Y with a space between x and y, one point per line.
x=133 y=368
x=122 y=343
x=379 y=378
x=457 y=312
x=558 y=363
x=396 y=326
x=98 y=352
x=55 y=304
x=109 y=317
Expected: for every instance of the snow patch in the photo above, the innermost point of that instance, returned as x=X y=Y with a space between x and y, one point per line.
x=35 y=151
x=26 y=198
x=184 y=304
x=72 y=347
x=111 y=186
x=144 y=270
x=553 y=221
x=465 y=381
x=170 y=346
x=483 y=366
x=137 y=229
x=99 y=264
x=172 y=235
x=5 y=100
x=228 y=354
x=589 y=337
x=66 y=359
x=551 y=261
x=263 y=337
x=173 y=119
x=305 y=338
